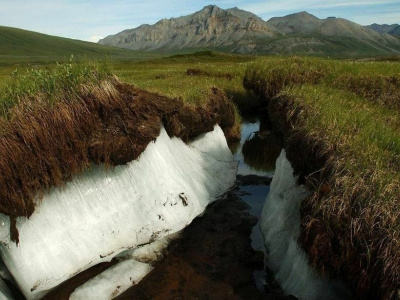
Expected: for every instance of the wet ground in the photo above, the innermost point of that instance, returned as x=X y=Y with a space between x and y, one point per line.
x=221 y=254
x=212 y=260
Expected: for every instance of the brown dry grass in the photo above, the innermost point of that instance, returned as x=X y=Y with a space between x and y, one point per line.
x=339 y=123
x=383 y=90
x=267 y=79
x=349 y=230
x=45 y=144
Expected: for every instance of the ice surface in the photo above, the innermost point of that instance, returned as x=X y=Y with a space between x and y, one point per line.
x=154 y=252
x=102 y=213
x=113 y=281
x=5 y=293
x=280 y=227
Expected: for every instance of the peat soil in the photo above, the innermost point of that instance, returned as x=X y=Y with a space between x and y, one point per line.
x=215 y=256
x=213 y=259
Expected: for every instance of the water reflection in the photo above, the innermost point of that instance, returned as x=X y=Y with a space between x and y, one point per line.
x=257 y=151
x=261 y=150
x=256 y=155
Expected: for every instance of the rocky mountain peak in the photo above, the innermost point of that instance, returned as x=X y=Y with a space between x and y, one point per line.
x=241 y=31
x=212 y=26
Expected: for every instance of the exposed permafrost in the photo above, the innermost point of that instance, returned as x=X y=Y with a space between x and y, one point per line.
x=102 y=213
x=280 y=227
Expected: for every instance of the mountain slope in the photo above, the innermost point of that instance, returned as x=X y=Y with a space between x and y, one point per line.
x=210 y=27
x=17 y=44
x=306 y=24
x=240 y=31
x=301 y=22
x=393 y=29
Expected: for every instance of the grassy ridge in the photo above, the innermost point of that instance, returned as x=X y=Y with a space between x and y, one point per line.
x=342 y=137
x=56 y=122
x=19 y=46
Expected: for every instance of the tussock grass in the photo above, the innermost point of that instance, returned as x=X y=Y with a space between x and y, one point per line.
x=62 y=82
x=169 y=76
x=342 y=137
x=56 y=123
x=268 y=77
x=351 y=222
x=380 y=89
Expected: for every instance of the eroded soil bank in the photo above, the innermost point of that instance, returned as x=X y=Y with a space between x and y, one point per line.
x=111 y=123
x=215 y=257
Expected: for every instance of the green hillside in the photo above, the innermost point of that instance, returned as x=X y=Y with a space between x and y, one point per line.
x=18 y=46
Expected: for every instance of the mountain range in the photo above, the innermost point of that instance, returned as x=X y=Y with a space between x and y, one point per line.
x=239 y=31
x=393 y=29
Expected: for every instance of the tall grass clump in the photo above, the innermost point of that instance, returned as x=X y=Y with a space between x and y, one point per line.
x=47 y=117
x=339 y=121
x=347 y=151
x=40 y=86
x=57 y=122
x=267 y=78
x=381 y=89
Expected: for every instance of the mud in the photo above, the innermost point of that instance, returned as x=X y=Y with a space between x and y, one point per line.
x=215 y=258
x=63 y=291
x=212 y=260
x=110 y=124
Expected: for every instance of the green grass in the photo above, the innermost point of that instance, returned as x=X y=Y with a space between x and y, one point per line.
x=367 y=135
x=168 y=75
x=340 y=120
x=61 y=82
x=21 y=47
x=347 y=108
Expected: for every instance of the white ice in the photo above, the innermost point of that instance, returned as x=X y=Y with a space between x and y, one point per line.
x=102 y=213
x=113 y=281
x=5 y=293
x=136 y=264
x=280 y=227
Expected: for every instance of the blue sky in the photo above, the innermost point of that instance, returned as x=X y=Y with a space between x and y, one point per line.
x=92 y=19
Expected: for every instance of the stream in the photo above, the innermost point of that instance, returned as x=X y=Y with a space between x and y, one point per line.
x=221 y=255
x=258 y=168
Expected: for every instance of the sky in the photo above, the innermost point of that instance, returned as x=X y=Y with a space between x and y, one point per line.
x=91 y=20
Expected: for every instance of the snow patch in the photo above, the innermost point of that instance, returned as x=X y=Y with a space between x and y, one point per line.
x=103 y=213
x=280 y=227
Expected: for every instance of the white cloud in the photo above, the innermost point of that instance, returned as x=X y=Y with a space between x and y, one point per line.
x=90 y=19
x=95 y=38
x=350 y=9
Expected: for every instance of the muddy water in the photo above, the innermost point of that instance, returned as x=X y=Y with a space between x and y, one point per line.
x=221 y=254
x=257 y=153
